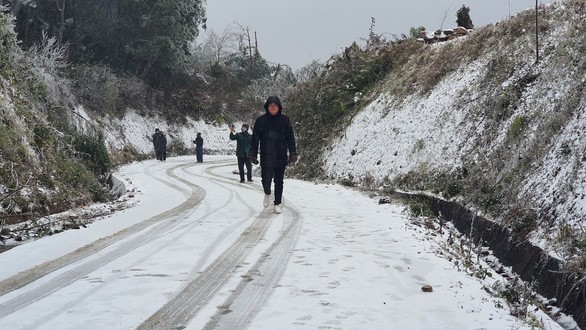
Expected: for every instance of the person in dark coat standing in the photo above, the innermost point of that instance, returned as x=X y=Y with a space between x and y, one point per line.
x=243 y=139
x=198 y=148
x=160 y=144
x=275 y=134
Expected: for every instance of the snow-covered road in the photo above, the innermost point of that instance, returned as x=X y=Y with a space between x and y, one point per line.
x=198 y=251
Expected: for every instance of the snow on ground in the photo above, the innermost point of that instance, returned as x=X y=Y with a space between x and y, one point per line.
x=354 y=264
x=389 y=138
x=137 y=131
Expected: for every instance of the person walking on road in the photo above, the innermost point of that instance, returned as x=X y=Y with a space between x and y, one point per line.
x=160 y=144
x=274 y=132
x=243 y=139
x=198 y=148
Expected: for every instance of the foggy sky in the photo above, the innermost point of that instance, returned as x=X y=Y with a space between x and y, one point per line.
x=294 y=32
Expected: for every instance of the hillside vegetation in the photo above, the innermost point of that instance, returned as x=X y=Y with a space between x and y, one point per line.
x=474 y=119
x=48 y=162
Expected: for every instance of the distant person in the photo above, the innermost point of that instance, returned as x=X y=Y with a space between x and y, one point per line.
x=243 y=139
x=160 y=144
x=275 y=134
x=198 y=148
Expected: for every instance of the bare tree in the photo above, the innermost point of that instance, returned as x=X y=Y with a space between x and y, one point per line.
x=216 y=47
x=246 y=45
x=447 y=12
x=309 y=71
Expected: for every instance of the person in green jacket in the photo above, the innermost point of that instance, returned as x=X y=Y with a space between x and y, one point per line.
x=243 y=139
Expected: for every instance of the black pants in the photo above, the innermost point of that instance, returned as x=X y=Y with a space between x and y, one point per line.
x=161 y=154
x=271 y=171
x=199 y=154
x=241 y=162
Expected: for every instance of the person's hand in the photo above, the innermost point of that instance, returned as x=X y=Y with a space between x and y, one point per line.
x=254 y=159
x=231 y=128
x=292 y=158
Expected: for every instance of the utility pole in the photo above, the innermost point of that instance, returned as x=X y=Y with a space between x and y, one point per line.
x=536 y=34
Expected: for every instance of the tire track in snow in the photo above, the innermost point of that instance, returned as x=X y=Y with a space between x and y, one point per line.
x=180 y=232
x=181 y=309
x=220 y=237
x=30 y=275
x=247 y=300
x=187 y=303
x=252 y=293
x=180 y=213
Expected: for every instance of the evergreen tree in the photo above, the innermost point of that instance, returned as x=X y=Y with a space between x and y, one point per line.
x=415 y=32
x=146 y=37
x=156 y=33
x=35 y=18
x=463 y=17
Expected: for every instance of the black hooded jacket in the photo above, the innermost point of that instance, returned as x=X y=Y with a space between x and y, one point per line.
x=159 y=141
x=275 y=135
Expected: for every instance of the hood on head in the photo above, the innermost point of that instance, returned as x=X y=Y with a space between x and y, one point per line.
x=273 y=99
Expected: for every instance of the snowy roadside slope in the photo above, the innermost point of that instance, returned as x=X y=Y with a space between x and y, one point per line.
x=452 y=127
x=136 y=131
x=388 y=138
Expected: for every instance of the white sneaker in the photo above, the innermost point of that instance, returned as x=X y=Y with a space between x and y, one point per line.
x=267 y=201
x=278 y=209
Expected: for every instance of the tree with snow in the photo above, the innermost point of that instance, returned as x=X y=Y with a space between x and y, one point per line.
x=463 y=17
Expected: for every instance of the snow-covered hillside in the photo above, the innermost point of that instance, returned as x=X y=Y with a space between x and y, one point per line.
x=136 y=131
x=501 y=118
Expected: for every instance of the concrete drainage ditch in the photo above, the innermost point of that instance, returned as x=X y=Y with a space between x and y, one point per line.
x=530 y=262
